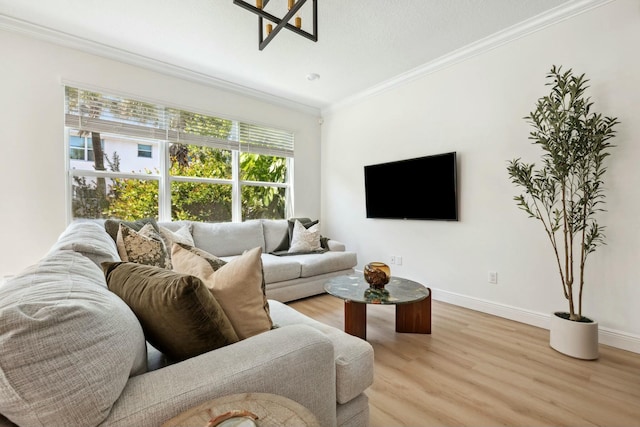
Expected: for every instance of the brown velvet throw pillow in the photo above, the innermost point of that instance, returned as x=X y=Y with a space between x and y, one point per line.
x=179 y=315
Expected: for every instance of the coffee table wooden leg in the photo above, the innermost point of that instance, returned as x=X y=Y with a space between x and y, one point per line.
x=414 y=317
x=355 y=319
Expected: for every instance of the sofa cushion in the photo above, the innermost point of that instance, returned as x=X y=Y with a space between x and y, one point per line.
x=239 y=286
x=178 y=314
x=68 y=344
x=144 y=247
x=353 y=356
x=89 y=239
x=279 y=269
x=228 y=238
x=275 y=232
x=328 y=262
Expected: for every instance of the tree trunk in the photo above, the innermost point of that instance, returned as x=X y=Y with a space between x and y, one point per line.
x=98 y=159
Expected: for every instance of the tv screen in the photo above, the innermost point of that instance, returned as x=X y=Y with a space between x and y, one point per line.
x=422 y=188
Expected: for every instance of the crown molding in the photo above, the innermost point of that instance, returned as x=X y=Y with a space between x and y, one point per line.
x=546 y=19
x=68 y=40
x=522 y=29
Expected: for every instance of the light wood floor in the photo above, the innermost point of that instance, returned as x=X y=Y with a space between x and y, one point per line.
x=480 y=370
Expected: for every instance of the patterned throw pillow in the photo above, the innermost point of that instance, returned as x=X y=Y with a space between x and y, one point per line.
x=142 y=247
x=112 y=225
x=305 y=239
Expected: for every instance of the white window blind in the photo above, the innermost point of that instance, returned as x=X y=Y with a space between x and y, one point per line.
x=92 y=111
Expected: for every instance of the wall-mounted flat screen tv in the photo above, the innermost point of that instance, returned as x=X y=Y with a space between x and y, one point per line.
x=423 y=188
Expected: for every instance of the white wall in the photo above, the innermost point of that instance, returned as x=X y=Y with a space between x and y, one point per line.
x=476 y=108
x=31 y=135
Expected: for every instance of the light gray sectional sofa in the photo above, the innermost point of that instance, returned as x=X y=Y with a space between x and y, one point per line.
x=287 y=277
x=74 y=354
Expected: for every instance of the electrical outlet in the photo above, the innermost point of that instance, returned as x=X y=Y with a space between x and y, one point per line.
x=392 y=259
x=398 y=260
x=493 y=277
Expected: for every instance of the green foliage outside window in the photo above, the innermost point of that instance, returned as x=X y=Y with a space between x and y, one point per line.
x=263 y=201
x=131 y=199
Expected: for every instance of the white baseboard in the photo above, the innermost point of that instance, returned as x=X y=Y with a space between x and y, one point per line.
x=607 y=336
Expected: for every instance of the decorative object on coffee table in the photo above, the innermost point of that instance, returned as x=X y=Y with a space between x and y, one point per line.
x=270 y=410
x=376 y=295
x=377 y=274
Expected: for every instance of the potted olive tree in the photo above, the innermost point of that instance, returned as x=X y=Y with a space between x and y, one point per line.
x=565 y=194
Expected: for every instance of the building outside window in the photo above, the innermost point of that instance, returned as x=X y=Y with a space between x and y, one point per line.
x=81 y=148
x=145 y=150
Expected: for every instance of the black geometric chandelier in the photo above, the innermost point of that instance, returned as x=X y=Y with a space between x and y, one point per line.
x=280 y=23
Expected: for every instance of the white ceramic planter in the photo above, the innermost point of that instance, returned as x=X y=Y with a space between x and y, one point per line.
x=575 y=339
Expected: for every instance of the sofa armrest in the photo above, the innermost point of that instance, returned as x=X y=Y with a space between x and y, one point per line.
x=294 y=361
x=335 y=245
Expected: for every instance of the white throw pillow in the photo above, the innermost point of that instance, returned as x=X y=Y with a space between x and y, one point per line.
x=305 y=239
x=181 y=235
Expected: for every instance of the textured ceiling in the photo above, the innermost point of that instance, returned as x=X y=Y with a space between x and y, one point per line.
x=361 y=43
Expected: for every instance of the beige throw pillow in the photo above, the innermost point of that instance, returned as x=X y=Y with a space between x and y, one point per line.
x=305 y=239
x=142 y=247
x=184 y=260
x=238 y=286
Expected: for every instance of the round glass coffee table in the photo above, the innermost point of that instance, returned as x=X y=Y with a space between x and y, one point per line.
x=412 y=301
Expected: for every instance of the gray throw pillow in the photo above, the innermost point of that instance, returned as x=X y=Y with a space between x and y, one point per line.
x=68 y=345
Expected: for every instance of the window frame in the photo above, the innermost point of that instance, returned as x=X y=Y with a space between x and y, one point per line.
x=260 y=146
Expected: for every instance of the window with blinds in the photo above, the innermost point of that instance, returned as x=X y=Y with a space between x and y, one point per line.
x=208 y=168
x=91 y=111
